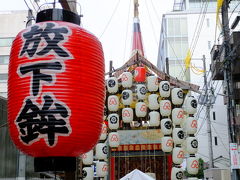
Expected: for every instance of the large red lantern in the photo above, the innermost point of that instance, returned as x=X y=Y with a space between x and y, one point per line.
x=55 y=90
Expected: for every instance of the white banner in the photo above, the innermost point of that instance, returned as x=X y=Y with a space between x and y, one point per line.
x=235 y=161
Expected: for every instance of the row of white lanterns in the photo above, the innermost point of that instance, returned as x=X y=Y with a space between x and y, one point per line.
x=101 y=165
x=171 y=128
x=190 y=126
x=178 y=138
x=101 y=148
x=100 y=157
x=191 y=140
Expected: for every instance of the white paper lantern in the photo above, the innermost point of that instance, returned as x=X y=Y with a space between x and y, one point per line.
x=177 y=173
x=101 y=168
x=127 y=97
x=152 y=83
x=101 y=151
x=164 y=89
x=113 y=121
x=114 y=139
x=87 y=158
x=154 y=118
x=178 y=135
x=141 y=109
x=166 y=126
x=167 y=144
x=127 y=115
x=153 y=102
x=192 y=145
x=113 y=103
x=177 y=155
x=177 y=96
x=112 y=85
x=103 y=135
x=191 y=125
x=177 y=116
x=192 y=165
x=127 y=79
x=165 y=107
x=190 y=105
x=87 y=173
x=141 y=91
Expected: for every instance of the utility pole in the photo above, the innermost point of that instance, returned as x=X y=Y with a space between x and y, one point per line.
x=207 y=102
x=228 y=81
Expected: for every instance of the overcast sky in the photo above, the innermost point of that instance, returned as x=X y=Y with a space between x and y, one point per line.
x=116 y=34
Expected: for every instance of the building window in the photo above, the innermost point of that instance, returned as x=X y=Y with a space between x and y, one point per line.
x=214 y=115
x=3 y=77
x=6 y=42
x=215 y=141
x=209 y=45
x=4 y=59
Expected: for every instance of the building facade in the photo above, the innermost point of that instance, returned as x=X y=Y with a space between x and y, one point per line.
x=12 y=22
x=178 y=35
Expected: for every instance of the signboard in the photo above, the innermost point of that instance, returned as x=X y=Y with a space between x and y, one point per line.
x=138 y=147
x=235 y=161
x=150 y=136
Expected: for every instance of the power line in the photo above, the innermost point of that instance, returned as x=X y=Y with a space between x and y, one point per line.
x=198 y=29
x=150 y=19
x=125 y=45
x=177 y=59
x=155 y=11
x=208 y=158
x=203 y=122
x=114 y=11
x=233 y=11
x=198 y=113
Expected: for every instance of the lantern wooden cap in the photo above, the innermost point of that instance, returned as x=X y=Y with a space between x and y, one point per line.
x=58 y=15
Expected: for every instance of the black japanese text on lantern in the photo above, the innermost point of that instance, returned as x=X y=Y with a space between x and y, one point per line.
x=51 y=118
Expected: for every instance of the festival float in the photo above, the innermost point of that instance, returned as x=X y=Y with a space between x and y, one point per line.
x=149 y=122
